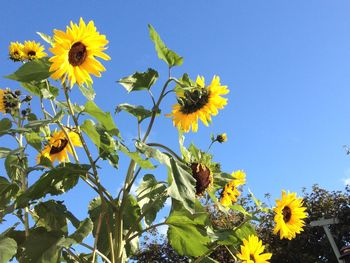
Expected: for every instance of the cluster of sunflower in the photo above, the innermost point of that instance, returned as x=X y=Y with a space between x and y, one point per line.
x=200 y=103
x=30 y=50
x=75 y=52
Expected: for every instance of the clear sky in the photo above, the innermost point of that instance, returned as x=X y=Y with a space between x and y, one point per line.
x=287 y=64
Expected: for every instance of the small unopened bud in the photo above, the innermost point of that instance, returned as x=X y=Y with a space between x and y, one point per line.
x=221 y=138
x=24 y=112
x=28 y=98
x=18 y=92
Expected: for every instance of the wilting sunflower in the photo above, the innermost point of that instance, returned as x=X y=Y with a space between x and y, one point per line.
x=16 y=51
x=252 y=251
x=58 y=146
x=230 y=193
x=203 y=176
x=75 y=53
x=289 y=217
x=200 y=104
x=33 y=50
x=9 y=101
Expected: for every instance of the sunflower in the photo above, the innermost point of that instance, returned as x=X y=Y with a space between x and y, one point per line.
x=289 y=216
x=58 y=146
x=230 y=193
x=33 y=50
x=221 y=138
x=75 y=53
x=16 y=51
x=9 y=101
x=252 y=251
x=203 y=176
x=3 y=100
x=197 y=104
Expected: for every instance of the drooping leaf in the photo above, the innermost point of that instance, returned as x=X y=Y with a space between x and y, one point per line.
x=105 y=143
x=144 y=164
x=8 y=248
x=138 y=111
x=51 y=215
x=8 y=190
x=164 y=53
x=87 y=91
x=5 y=124
x=181 y=182
x=104 y=118
x=151 y=196
x=108 y=219
x=55 y=182
x=139 y=80
x=15 y=165
x=36 y=124
x=131 y=213
x=34 y=70
x=187 y=232
x=41 y=89
x=4 y=152
x=34 y=140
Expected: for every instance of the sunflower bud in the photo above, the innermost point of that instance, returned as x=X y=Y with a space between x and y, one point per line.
x=221 y=138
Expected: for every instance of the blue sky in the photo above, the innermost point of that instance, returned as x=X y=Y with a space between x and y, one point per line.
x=287 y=65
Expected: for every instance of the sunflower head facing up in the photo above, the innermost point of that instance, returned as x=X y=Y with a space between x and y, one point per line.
x=58 y=146
x=230 y=192
x=75 y=52
x=9 y=101
x=16 y=51
x=33 y=50
x=289 y=215
x=252 y=251
x=198 y=103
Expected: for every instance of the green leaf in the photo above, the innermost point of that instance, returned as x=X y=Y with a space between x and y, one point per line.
x=51 y=215
x=87 y=91
x=55 y=182
x=131 y=213
x=8 y=248
x=46 y=38
x=15 y=166
x=245 y=230
x=4 y=152
x=81 y=233
x=40 y=123
x=34 y=140
x=151 y=196
x=34 y=70
x=104 y=142
x=41 y=89
x=187 y=232
x=135 y=156
x=5 y=124
x=139 y=80
x=138 y=111
x=169 y=56
x=104 y=118
x=180 y=179
x=108 y=219
x=8 y=190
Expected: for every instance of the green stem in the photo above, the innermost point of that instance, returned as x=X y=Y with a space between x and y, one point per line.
x=165 y=148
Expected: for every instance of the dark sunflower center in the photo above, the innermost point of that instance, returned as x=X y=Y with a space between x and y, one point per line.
x=58 y=149
x=30 y=53
x=77 y=54
x=287 y=214
x=193 y=101
x=202 y=175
